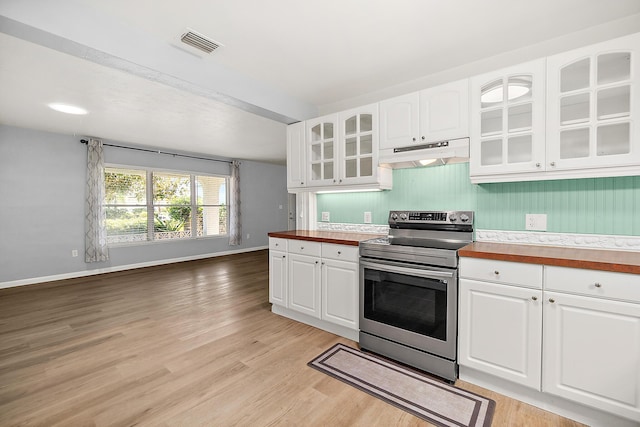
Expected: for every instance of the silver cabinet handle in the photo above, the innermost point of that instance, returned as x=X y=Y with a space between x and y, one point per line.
x=534 y=298
x=301 y=247
x=334 y=180
x=551 y=300
x=552 y=163
x=284 y=256
x=496 y=272
x=413 y=139
x=322 y=262
x=423 y=138
x=597 y=285
x=301 y=183
x=316 y=262
x=340 y=180
x=538 y=165
x=276 y=244
x=339 y=252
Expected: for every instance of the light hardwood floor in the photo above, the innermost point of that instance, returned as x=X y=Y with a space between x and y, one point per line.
x=186 y=344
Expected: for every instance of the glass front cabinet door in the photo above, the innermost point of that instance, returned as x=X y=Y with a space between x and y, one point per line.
x=322 y=167
x=507 y=120
x=359 y=145
x=592 y=102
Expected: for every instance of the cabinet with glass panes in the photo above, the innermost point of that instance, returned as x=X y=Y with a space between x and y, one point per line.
x=507 y=120
x=322 y=167
x=592 y=103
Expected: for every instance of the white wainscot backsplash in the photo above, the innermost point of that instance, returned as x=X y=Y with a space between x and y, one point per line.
x=355 y=228
x=594 y=241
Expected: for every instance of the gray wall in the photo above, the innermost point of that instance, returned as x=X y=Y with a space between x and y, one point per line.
x=42 y=179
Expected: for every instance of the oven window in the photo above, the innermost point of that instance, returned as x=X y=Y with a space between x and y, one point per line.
x=408 y=302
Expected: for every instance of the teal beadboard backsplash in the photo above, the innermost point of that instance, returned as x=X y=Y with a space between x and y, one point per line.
x=585 y=206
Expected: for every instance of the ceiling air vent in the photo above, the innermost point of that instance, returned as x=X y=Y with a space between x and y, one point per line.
x=199 y=41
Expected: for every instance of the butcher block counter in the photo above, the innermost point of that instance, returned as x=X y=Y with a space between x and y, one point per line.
x=592 y=259
x=336 y=237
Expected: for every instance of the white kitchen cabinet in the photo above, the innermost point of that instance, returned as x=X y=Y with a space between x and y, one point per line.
x=321 y=148
x=500 y=322
x=304 y=284
x=592 y=343
x=278 y=271
x=508 y=121
x=592 y=103
x=315 y=283
x=342 y=151
x=296 y=156
x=435 y=114
x=340 y=285
x=566 y=332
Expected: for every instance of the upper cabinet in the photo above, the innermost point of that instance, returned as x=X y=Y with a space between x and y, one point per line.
x=435 y=114
x=321 y=147
x=296 y=161
x=593 y=99
x=507 y=120
x=342 y=151
x=573 y=117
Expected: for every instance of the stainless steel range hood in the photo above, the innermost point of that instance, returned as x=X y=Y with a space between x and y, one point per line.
x=430 y=154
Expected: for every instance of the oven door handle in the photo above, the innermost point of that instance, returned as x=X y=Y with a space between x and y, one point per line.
x=407 y=271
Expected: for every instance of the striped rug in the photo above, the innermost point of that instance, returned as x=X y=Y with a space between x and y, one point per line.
x=423 y=396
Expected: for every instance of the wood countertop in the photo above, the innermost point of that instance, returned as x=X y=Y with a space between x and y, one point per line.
x=593 y=259
x=337 y=237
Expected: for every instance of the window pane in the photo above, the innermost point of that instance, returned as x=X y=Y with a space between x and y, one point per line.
x=171 y=189
x=172 y=222
x=212 y=220
x=125 y=186
x=211 y=190
x=126 y=224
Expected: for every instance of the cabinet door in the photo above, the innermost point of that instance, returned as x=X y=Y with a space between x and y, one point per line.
x=592 y=352
x=296 y=160
x=399 y=121
x=304 y=284
x=500 y=331
x=358 y=150
x=278 y=277
x=507 y=120
x=593 y=98
x=340 y=292
x=444 y=112
x=322 y=150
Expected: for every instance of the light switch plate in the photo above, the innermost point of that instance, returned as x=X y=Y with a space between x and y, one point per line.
x=325 y=216
x=367 y=217
x=536 y=222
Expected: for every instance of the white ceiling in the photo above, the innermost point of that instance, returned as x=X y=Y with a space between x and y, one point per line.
x=282 y=60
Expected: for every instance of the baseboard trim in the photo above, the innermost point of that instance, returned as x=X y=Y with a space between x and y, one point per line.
x=85 y=273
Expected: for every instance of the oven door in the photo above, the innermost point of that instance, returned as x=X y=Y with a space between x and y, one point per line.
x=410 y=304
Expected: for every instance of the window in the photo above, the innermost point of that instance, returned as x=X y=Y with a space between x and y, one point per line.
x=144 y=205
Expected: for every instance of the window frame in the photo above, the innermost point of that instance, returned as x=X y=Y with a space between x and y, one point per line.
x=150 y=206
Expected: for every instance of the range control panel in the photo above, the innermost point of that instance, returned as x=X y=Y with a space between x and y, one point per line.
x=430 y=217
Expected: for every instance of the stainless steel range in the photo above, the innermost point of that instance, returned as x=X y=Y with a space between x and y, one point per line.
x=409 y=289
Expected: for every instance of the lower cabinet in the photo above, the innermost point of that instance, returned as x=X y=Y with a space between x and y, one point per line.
x=318 y=280
x=589 y=348
x=500 y=330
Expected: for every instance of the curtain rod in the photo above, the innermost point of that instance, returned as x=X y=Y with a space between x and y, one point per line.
x=84 y=141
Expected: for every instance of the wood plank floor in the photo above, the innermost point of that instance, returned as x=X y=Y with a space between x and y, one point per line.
x=186 y=344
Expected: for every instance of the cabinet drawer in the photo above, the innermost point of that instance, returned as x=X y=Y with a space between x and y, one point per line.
x=513 y=273
x=605 y=284
x=277 y=244
x=340 y=252
x=304 y=247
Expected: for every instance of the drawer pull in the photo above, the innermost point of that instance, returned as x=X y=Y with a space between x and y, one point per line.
x=284 y=256
x=276 y=244
x=551 y=300
x=597 y=285
x=339 y=252
x=316 y=262
x=534 y=298
x=496 y=272
x=301 y=247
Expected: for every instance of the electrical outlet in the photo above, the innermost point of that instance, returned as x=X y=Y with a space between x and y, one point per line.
x=74 y=253
x=536 y=222
x=367 y=217
x=325 y=216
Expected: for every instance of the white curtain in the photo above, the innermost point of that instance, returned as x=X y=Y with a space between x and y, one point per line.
x=235 y=224
x=96 y=249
